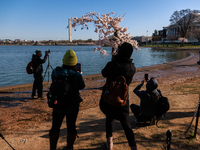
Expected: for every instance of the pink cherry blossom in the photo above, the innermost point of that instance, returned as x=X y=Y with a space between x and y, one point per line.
x=105 y=26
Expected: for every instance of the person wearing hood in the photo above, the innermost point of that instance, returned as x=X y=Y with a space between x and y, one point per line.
x=37 y=72
x=120 y=65
x=148 y=98
x=71 y=110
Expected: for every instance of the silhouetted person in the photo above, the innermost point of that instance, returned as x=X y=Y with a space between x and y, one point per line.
x=71 y=109
x=38 y=70
x=148 y=98
x=121 y=65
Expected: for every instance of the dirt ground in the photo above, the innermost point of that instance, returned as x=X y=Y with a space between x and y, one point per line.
x=25 y=123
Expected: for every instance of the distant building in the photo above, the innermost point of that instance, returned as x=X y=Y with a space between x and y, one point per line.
x=2 y=40
x=17 y=40
x=173 y=31
x=6 y=40
x=142 y=39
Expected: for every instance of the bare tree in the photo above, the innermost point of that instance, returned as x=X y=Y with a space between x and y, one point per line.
x=196 y=34
x=172 y=38
x=183 y=20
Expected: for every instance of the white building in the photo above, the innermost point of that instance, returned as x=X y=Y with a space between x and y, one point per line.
x=141 y=39
x=173 y=30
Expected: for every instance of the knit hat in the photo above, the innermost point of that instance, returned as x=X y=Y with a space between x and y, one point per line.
x=69 y=59
x=151 y=87
x=38 y=51
x=125 y=50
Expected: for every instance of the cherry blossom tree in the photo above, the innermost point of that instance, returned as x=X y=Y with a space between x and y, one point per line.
x=105 y=25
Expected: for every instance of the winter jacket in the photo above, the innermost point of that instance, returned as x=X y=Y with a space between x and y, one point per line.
x=37 y=65
x=76 y=84
x=119 y=66
x=147 y=103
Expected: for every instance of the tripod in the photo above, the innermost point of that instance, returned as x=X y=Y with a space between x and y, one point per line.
x=6 y=141
x=47 y=69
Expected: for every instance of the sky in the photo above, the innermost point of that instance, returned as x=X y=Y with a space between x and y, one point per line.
x=48 y=19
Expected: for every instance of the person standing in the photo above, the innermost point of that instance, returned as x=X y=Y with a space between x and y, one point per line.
x=121 y=65
x=71 y=110
x=37 y=72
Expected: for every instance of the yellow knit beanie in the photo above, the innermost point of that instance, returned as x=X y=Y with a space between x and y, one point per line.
x=69 y=58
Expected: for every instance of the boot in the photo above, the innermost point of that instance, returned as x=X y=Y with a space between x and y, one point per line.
x=53 y=138
x=133 y=147
x=70 y=141
x=109 y=143
x=153 y=121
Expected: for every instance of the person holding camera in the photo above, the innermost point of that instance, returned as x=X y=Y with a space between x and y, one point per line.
x=70 y=111
x=147 y=109
x=121 y=65
x=37 y=72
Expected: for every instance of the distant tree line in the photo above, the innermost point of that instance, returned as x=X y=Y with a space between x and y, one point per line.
x=51 y=42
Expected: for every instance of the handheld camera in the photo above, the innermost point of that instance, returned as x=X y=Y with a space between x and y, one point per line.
x=78 y=67
x=146 y=76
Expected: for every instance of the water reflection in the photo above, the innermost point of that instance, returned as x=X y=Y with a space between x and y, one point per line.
x=149 y=56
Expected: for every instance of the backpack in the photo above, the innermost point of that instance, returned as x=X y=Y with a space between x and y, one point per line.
x=29 y=67
x=58 y=94
x=116 y=94
x=162 y=107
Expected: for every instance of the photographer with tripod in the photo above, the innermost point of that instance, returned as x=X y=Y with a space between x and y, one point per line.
x=37 y=71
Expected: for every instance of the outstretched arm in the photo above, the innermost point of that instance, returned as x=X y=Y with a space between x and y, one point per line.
x=137 y=89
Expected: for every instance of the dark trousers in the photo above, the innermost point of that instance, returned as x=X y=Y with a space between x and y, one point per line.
x=125 y=125
x=138 y=113
x=70 y=121
x=37 y=85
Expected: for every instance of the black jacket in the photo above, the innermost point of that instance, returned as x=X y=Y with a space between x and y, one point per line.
x=113 y=69
x=37 y=65
x=77 y=83
x=147 y=104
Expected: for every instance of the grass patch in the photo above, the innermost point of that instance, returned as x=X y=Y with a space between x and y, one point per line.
x=188 y=89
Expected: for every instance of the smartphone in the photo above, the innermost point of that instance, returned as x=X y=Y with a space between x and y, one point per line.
x=78 y=67
x=146 y=76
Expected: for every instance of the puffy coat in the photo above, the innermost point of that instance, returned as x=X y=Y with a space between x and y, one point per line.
x=37 y=65
x=77 y=84
x=147 y=104
x=113 y=69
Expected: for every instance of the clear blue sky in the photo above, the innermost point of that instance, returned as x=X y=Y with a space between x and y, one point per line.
x=48 y=19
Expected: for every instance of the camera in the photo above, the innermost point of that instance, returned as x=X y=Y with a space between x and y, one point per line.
x=48 y=51
x=146 y=77
x=78 y=67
